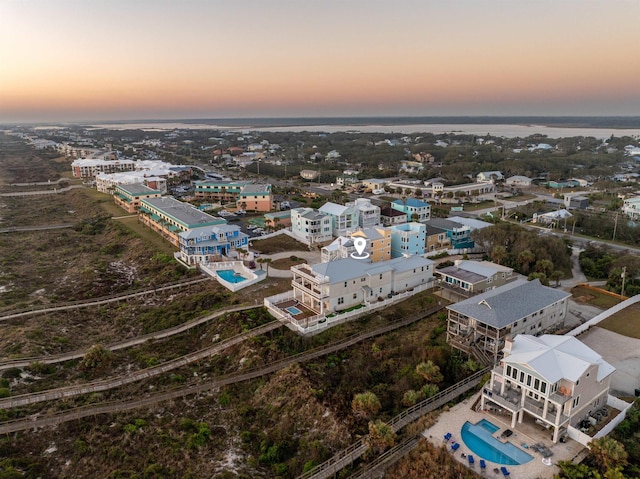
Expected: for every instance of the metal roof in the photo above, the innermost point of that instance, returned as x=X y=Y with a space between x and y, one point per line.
x=556 y=357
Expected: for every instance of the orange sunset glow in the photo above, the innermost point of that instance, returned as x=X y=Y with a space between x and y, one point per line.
x=71 y=60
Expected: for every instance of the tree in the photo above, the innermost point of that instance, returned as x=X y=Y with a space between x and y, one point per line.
x=366 y=404
x=97 y=360
x=544 y=266
x=381 y=436
x=498 y=254
x=556 y=276
x=525 y=259
x=430 y=372
x=607 y=453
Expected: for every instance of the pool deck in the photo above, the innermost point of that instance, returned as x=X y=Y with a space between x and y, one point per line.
x=525 y=433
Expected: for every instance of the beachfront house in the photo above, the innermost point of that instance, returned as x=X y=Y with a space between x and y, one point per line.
x=480 y=325
x=556 y=380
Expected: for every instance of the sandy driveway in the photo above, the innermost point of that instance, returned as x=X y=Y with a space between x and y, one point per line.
x=621 y=352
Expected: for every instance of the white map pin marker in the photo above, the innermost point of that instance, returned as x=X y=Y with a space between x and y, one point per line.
x=360 y=244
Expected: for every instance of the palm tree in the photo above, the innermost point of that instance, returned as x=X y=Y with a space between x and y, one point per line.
x=498 y=254
x=525 y=259
x=429 y=371
x=556 y=276
x=365 y=404
x=381 y=436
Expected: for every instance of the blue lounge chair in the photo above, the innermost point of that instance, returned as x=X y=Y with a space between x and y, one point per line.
x=447 y=436
x=505 y=472
x=472 y=461
x=455 y=446
x=483 y=465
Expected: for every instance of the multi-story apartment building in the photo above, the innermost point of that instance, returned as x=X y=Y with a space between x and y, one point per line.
x=378 y=245
x=467 y=278
x=90 y=167
x=310 y=226
x=169 y=217
x=128 y=197
x=107 y=182
x=343 y=218
x=556 y=380
x=337 y=285
x=416 y=210
x=255 y=197
x=219 y=191
x=210 y=243
x=368 y=213
x=278 y=219
x=480 y=325
x=408 y=239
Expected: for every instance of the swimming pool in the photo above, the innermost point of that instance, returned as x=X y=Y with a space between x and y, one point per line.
x=479 y=438
x=230 y=276
x=293 y=310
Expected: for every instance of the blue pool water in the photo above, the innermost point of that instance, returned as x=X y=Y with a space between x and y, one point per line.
x=230 y=276
x=479 y=438
x=293 y=310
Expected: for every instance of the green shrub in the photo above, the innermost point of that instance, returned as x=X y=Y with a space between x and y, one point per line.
x=5 y=393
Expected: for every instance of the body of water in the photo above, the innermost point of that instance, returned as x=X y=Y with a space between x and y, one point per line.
x=509 y=127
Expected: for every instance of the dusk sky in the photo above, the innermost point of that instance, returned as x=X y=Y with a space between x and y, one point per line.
x=71 y=60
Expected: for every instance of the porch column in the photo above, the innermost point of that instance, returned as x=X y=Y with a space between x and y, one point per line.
x=557 y=421
x=514 y=416
x=545 y=408
x=556 y=431
x=520 y=416
x=482 y=402
x=502 y=386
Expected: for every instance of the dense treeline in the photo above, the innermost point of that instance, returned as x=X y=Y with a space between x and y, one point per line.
x=535 y=256
x=601 y=262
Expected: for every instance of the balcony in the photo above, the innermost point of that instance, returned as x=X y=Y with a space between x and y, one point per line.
x=307 y=287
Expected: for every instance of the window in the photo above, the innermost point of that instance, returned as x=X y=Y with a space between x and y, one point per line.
x=536 y=384
x=576 y=401
x=355 y=295
x=528 y=379
x=340 y=300
x=522 y=377
x=543 y=387
x=345 y=284
x=508 y=370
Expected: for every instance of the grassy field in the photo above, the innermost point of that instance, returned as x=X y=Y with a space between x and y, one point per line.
x=286 y=263
x=625 y=322
x=148 y=235
x=278 y=244
x=594 y=298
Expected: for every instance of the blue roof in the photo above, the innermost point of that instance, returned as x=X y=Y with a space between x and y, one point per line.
x=414 y=203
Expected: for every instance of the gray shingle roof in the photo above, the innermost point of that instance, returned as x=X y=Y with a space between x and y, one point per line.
x=349 y=268
x=503 y=306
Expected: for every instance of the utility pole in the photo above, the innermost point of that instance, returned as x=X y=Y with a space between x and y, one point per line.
x=624 y=275
x=615 y=227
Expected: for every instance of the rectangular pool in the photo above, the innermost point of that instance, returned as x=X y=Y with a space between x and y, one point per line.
x=293 y=310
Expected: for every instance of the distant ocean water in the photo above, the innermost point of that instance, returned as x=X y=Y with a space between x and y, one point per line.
x=552 y=127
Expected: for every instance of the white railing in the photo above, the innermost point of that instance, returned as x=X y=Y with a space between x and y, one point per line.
x=316 y=324
x=238 y=267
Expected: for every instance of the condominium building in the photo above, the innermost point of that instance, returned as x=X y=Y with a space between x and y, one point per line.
x=128 y=197
x=378 y=245
x=210 y=243
x=90 y=167
x=255 y=197
x=169 y=217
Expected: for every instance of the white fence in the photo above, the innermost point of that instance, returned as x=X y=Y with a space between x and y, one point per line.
x=604 y=315
x=316 y=324
x=238 y=267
